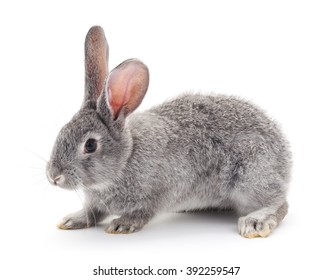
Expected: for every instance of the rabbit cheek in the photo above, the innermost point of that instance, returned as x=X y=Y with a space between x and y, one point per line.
x=88 y=173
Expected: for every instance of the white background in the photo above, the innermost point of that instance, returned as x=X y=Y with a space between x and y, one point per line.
x=276 y=53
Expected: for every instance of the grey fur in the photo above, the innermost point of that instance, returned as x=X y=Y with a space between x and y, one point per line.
x=193 y=152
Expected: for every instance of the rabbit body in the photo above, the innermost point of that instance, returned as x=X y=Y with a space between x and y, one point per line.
x=190 y=153
x=200 y=151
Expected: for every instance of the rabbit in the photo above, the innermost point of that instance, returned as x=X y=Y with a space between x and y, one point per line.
x=193 y=152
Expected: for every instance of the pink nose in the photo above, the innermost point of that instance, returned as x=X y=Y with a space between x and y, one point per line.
x=58 y=180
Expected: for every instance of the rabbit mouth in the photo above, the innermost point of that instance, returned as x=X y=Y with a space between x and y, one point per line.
x=60 y=180
x=56 y=180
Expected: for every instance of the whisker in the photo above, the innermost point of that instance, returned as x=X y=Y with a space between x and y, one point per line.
x=34 y=167
x=99 y=198
x=83 y=205
x=37 y=182
x=95 y=194
x=37 y=174
x=37 y=155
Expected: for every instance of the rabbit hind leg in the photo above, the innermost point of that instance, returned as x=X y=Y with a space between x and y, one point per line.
x=262 y=222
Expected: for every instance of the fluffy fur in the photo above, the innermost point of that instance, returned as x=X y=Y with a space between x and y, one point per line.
x=193 y=152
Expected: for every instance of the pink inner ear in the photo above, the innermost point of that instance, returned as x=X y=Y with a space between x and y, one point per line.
x=118 y=91
x=115 y=104
x=126 y=86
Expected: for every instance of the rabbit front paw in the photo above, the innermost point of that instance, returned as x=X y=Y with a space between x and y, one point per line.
x=126 y=224
x=76 y=220
x=123 y=226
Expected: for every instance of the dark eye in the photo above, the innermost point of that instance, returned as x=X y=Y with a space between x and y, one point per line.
x=90 y=146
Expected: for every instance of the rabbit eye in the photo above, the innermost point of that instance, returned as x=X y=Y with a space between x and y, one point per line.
x=90 y=146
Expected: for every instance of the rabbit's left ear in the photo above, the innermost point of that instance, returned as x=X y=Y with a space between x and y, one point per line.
x=125 y=88
x=96 y=64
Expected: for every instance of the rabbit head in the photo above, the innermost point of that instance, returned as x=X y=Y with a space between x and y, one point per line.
x=94 y=146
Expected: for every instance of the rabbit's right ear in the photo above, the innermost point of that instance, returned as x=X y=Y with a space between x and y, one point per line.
x=124 y=90
x=96 y=64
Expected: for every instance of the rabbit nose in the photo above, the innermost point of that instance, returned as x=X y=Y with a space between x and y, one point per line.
x=59 y=180
x=55 y=178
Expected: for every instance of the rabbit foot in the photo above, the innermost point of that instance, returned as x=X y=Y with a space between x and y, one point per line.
x=72 y=224
x=262 y=222
x=250 y=227
x=124 y=225
x=75 y=221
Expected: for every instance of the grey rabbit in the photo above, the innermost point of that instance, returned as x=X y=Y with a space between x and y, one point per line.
x=190 y=153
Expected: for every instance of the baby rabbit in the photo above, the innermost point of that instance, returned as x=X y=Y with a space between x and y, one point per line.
x=193 y=152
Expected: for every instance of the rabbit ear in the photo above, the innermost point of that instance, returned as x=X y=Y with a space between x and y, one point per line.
x=96 y=63
x=126 y=86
